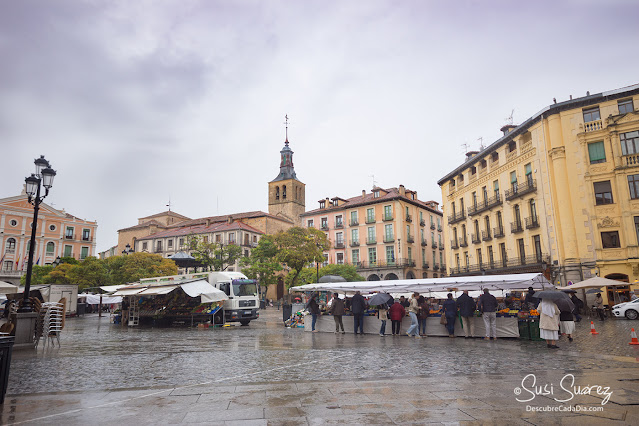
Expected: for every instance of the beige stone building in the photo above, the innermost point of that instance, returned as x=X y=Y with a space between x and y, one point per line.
x=557 y=194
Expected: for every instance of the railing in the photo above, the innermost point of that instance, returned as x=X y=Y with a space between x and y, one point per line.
x=591 y=126
x=453 y=244
x=511 y=155
x=339 y=245
x=474 y=238
x=339 y=225
x=516 y=227
x=354 y=223
x=463 y=242
x=158 y=250
x=439 y=228
x=409 y=218
x=472 y=177
x=485 y=235
x=370 y=241
x=422 y=222
x=631 y=159
x=532 y=222
x=370 y=219
x=433 y=244
x=12 y=273
x=526 y=264
x=410 y=239
x=389 y=238
x=526 y=146
x=485 y=205
x=498 y=232
x=68 y=237
x=424 y=243
x=425 y=265
x=354 y=243
x=441 y=247
x=9 y=251
x=411 y=263
x=493 y=163
x=387 y=217
x=443 y=267
x=519 y=190
x=324 y=227
x=435 y=267
x=432 y=225
x=395 y=263
x=453 y=218
x=89 y=239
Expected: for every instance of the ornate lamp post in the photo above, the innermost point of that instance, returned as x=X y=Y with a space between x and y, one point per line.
x=42 y=177
x=127 y=250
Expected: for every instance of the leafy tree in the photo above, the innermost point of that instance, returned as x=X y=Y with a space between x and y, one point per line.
x=60 y=275
x=91 y=272
x=145 y=265
x=297 y=247
x=349 y=272
x=262 y=264
x=226 y=256
x=37 y=274
x=70 y=260
x=214 y=256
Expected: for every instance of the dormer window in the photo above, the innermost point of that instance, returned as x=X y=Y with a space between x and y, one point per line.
x=495 y=156
x=375 y=194
x=482 y=164
x=322 y=204
x=512 y=146
x=473 y=170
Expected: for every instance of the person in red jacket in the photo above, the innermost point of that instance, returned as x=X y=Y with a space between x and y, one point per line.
x=397 y=314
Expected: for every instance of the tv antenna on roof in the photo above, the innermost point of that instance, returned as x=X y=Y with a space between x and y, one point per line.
x=510 y=118
x=481 y=143
x=374 y=181
x=169 y=205
x=465 y=146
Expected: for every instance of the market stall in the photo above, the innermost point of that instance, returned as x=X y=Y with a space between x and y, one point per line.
x=188 y=303
x=508 y=320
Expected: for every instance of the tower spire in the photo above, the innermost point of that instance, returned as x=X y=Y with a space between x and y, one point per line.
x=286 y=123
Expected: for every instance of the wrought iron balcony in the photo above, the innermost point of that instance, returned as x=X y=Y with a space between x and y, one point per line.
x=435 y=267
x=425 y=265
x=324 y=227
x=69 y=236
x=411 y=263
x=516 y=227
x=441 y=247
x=422 y=222
x=463 y=242
x=371 y=241
x=387 y=217
x=370 y=219
x=339 y=225
x=453 y=218
x=339 y=245
x=389 y=238
x=485 y=235
x=410 y=239
x=498 y=232
x=424 y=243
x=433 y=244
x=354 y=243
x=487 y=204
x=474 y=237
x=519 y=190
x=354 y=223
x=432 y=225
x=532 y=222
x=517 y=265
x=453 y=244
x=439 y=228
x=409 y=218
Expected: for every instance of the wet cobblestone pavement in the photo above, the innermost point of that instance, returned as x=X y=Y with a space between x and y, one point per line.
x=268 y=374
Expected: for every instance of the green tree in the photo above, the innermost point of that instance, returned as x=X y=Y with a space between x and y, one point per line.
x=70 y=260
x=91 y=272
x=214 y=256
x=37 y=274
x=144 y=265
x=225 y=256
x=60 y=275
x=297 y=247
x=262 y=264
x=349 y=272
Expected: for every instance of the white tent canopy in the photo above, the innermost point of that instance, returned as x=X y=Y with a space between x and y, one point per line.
x=594 y=282
x=426 y=285
x=193 y=288
x=94 y=299
x=8 y=288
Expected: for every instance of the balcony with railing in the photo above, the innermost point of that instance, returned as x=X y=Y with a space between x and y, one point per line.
x=519 y=190
x=389 y=238
x=387 y=217
x=441 y=247
x=485 y=235
x=532 y=222
x=424 y=243
x=371 y=240
x=499 y=232
x=453 y=218
x=410 y=239
x=592 y=126
x=370 y=219
x=87 y=238
x=339 y=225
x=339 y=245
x=516 y=227
x=354 y=222
x=526 y=146
x=411 y=263
x=510 y=156
x=453 y=244
x=484 y=205
x=433 y=244
x=517 y=265
x=409 y=218
x=463 y=242
x=435 y=267
x=9 y=250
x=422 y=222
x=324 y=226
x=68 y=236
x=395 y=263
x=432 y=225
x=439 y=228
x=354 y=243
x=443 y=267
x=630 y=160
x=425 y=265
x=474 y=237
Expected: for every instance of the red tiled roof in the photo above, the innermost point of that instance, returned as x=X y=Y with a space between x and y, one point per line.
x=225 y=218
x=201 y=229
x=362 y=200
x=144 y=225
x=166 y=213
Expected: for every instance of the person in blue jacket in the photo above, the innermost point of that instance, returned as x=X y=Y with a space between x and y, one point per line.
x=450 y=310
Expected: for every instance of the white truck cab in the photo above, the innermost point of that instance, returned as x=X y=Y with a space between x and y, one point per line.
x=243 y=304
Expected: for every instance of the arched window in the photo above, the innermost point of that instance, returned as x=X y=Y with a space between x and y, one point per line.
x=283 y=192
x=11 y=243
x=277 y=192
x=50 y=248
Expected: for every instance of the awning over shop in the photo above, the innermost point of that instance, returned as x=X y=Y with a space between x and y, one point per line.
x=204 y=289
x=155 y=291
x=94 y=299
x=426 y=285
x=129 y=291
x=193 y=288
x=112 y=288
x=594 y=282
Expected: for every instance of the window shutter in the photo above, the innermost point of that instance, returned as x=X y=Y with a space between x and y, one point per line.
x=596 y=151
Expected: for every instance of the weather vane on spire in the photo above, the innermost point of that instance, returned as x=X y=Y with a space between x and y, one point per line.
x=286 y=123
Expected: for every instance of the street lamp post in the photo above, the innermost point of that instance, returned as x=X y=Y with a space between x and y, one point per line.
x=42 y=177
x=128 y=249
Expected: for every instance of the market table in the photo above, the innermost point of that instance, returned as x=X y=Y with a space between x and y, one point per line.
x=506 y=326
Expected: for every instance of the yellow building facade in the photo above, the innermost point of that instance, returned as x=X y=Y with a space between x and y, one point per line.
x=557 y=194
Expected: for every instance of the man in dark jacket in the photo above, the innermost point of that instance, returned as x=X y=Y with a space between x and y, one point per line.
x=531 y=300
x=337 y=310
x=466 y=306
x=314 y=309
x=358 y=306
x=488 y=306
x=405 y=303
x=578 y=306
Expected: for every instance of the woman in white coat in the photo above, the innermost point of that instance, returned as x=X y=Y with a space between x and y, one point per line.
x=549 y=322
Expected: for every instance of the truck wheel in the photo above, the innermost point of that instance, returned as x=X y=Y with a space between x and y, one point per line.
x=631 y=314
x=244 y=323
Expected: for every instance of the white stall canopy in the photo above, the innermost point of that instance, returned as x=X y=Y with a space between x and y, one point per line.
x=193 y=288
x=430 y=285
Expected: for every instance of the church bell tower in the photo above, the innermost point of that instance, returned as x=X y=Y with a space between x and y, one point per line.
x=286 y=194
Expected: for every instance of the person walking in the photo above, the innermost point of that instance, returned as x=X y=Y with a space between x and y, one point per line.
x=600 y=307
x=314 y=309
x=358 y=306
x=449 y=308
x=382 y=314
x=549 y=322
x=413 y=310
x=422 y=315
x=397 y=314
x=578 y=306
x=405 y=303
x=488 y=307
x=566 y=323
x=337 y=310
x=467 y=307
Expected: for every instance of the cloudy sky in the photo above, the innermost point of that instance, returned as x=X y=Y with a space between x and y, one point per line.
x=134 y=102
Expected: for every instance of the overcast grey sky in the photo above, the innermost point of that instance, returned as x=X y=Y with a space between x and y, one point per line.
x=134 y=102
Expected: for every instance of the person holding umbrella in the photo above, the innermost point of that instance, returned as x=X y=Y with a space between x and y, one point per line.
x=549 y=315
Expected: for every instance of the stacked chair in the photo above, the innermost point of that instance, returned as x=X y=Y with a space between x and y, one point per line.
x=49 y=323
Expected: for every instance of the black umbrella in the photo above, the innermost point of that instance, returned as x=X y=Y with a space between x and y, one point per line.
x=593 y=290
x=560 y=298
x=332 y=279
x=569 y=291
x=565 y=305
x=379 y=299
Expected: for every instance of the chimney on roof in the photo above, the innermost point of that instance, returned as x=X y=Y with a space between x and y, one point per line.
x=230 y=219
x=507 y=128
x=471 y=154
x=402 y=191
x=363 y=192
x=328 y=202
x=208 y=221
